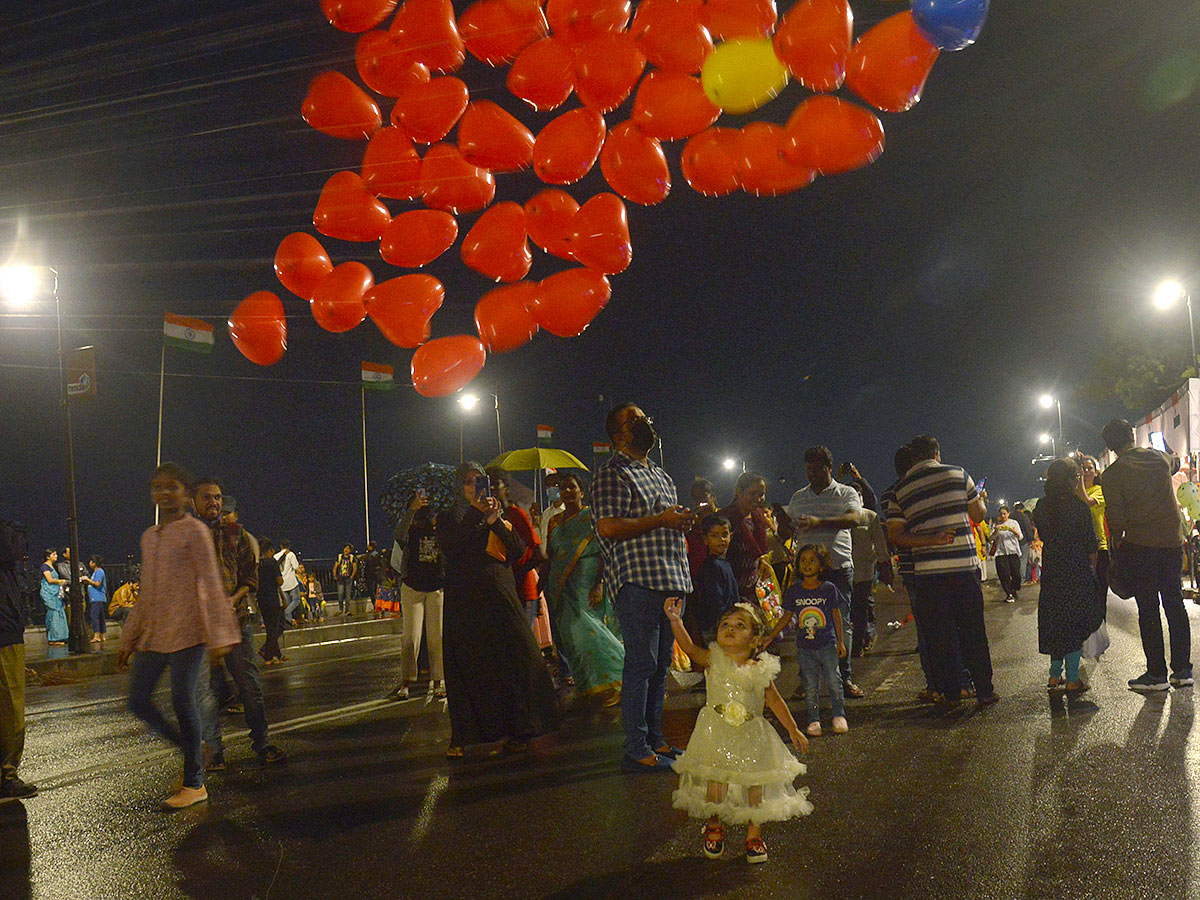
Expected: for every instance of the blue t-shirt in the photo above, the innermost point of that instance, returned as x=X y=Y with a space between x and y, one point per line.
x=716 y=592
x=813 y=614
x=98 y=594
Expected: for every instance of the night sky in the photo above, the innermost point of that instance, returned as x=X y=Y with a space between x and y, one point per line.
x=156 y=157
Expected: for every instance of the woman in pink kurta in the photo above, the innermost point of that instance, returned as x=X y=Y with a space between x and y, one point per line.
x=182 y=611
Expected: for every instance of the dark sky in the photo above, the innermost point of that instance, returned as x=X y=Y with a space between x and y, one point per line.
x=156 y=156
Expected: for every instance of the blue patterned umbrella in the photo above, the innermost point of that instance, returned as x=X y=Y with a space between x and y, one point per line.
x=436 y=479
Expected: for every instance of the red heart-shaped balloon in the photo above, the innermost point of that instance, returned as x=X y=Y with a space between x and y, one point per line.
x=606 y=69
x=450 y=183
x=503 y=318
x=428 y=111
x=492 y=138
x=338 y=107
x=496 y=246
x=301 y=263
x=709 y=162
x=548 y=216
x=578 y=20
x=635 y=166
x=889 y=64
x=447 y=364
x=729 y=19
x=391 y=165
x=670 y=106
x=258 y=328
x=600 y=235
x=348 y=211
x=418 y=237
x=384 y=67
x=813 y=41
x=356 y=15
x=337 y=303
x=566 y=303
x=832 y=135
x=762 y=168
x=542 y=74
x=566 y=149
x=671 y=34
x=402 y=307
x=495 y=31
x=426 y=31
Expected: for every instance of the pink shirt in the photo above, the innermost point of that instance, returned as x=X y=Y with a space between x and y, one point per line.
x=182 y=601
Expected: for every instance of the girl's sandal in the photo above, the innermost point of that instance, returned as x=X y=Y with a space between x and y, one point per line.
x=454 y=753
x=714 y=841
x=1056 y=684
x=756 y=850
x=1076 y=687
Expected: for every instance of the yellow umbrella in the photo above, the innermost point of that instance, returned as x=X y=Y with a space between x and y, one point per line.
x=536 y=458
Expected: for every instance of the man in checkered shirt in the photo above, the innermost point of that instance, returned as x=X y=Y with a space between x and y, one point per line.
x=641 y=527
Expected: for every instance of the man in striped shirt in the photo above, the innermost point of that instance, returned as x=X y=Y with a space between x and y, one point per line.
x=930 y=511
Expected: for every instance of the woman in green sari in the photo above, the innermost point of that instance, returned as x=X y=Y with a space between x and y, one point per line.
x=587 y=632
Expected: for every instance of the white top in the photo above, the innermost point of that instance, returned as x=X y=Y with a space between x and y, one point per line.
x=547 y=515
x=1007 y=538
x=835 y=500
x=288 y=564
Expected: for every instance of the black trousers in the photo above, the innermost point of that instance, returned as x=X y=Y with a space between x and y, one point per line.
x=1102 y=561
x=1008 y=570
x=955 y=598
x=1157 y=579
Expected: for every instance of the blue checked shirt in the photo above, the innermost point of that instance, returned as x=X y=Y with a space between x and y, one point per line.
x=625 y=488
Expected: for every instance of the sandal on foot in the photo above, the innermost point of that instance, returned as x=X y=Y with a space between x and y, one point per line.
x=714 y=841
x=454 y=753
x=1056 y=684
x=1075 y=687
x=756 y=850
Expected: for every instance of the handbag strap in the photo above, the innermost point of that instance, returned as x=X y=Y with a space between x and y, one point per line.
x=562 y=579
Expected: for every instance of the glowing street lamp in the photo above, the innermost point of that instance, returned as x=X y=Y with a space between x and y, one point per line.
x=729 y=464
x=1049 y=401
x=1046 y=438
x=1166 y=295
x=20 y=286
x=468 y=402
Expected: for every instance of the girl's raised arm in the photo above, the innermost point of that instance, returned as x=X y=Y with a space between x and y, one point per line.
x=674 y=610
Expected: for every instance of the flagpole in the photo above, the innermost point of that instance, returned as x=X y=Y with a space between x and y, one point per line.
x=162 y=371
x=366 y=491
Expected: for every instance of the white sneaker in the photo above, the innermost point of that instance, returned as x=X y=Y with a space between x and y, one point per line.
x=814 y=729
x=186 y=797
x=840 y=725
x=400 y=693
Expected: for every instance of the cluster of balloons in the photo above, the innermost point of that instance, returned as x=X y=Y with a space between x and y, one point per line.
x=684 y=62
x=1188 y=495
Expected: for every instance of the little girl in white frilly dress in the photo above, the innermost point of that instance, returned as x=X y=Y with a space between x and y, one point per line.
x=736 y=769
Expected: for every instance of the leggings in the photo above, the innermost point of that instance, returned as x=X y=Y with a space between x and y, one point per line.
x=96 y=613
x=1072 y=661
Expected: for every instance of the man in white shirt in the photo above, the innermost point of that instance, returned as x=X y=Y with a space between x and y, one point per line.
x=824 y=511
x=553 y=504
x=290 y=588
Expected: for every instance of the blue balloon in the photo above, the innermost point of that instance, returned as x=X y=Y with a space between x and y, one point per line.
x=950 y=24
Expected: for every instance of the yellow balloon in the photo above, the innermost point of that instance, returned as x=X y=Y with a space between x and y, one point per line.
x=742 y=75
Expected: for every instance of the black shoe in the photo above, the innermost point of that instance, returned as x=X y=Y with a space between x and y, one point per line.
x=272 y=754
x=1147 y=682
x=16 y=789
x=990 y=700
x=216 y=763
x=671 y=753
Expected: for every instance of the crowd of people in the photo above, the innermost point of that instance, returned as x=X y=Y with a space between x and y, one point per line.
x=616 y=581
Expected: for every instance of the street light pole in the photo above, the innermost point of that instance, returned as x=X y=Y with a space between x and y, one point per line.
x=1058 y=405
x=499 y=433
x=76 y=599
x=1192 y=331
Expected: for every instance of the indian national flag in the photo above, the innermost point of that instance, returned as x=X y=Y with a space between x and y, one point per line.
x=187 y=334
x=377 y=377
x=545 y=435
x=600 y=453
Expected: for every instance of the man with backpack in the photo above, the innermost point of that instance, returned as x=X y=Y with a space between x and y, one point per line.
x=14 y=546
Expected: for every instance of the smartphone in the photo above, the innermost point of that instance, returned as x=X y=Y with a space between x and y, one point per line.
x=979 y=485
x=483 y=487
x=421 y=493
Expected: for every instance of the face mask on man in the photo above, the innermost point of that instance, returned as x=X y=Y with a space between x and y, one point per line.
x=642 y=435
x=552 y=494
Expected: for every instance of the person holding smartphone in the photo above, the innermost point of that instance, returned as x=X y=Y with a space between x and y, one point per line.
x=497 y=684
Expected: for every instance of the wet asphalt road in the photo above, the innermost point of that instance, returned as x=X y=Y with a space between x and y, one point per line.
x=1038 y=797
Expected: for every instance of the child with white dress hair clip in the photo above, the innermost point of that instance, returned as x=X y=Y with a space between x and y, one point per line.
x=736 y=768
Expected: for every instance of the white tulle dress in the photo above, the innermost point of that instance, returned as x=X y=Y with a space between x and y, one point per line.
x=734 y=745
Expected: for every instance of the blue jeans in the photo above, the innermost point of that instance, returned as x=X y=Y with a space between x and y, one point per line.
x=97 y=612
x=243 y=668
x=293 y=600
x=648 y=645
x=345 y=591
x=843 y=580
x=185 y=666
x=814 y=664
